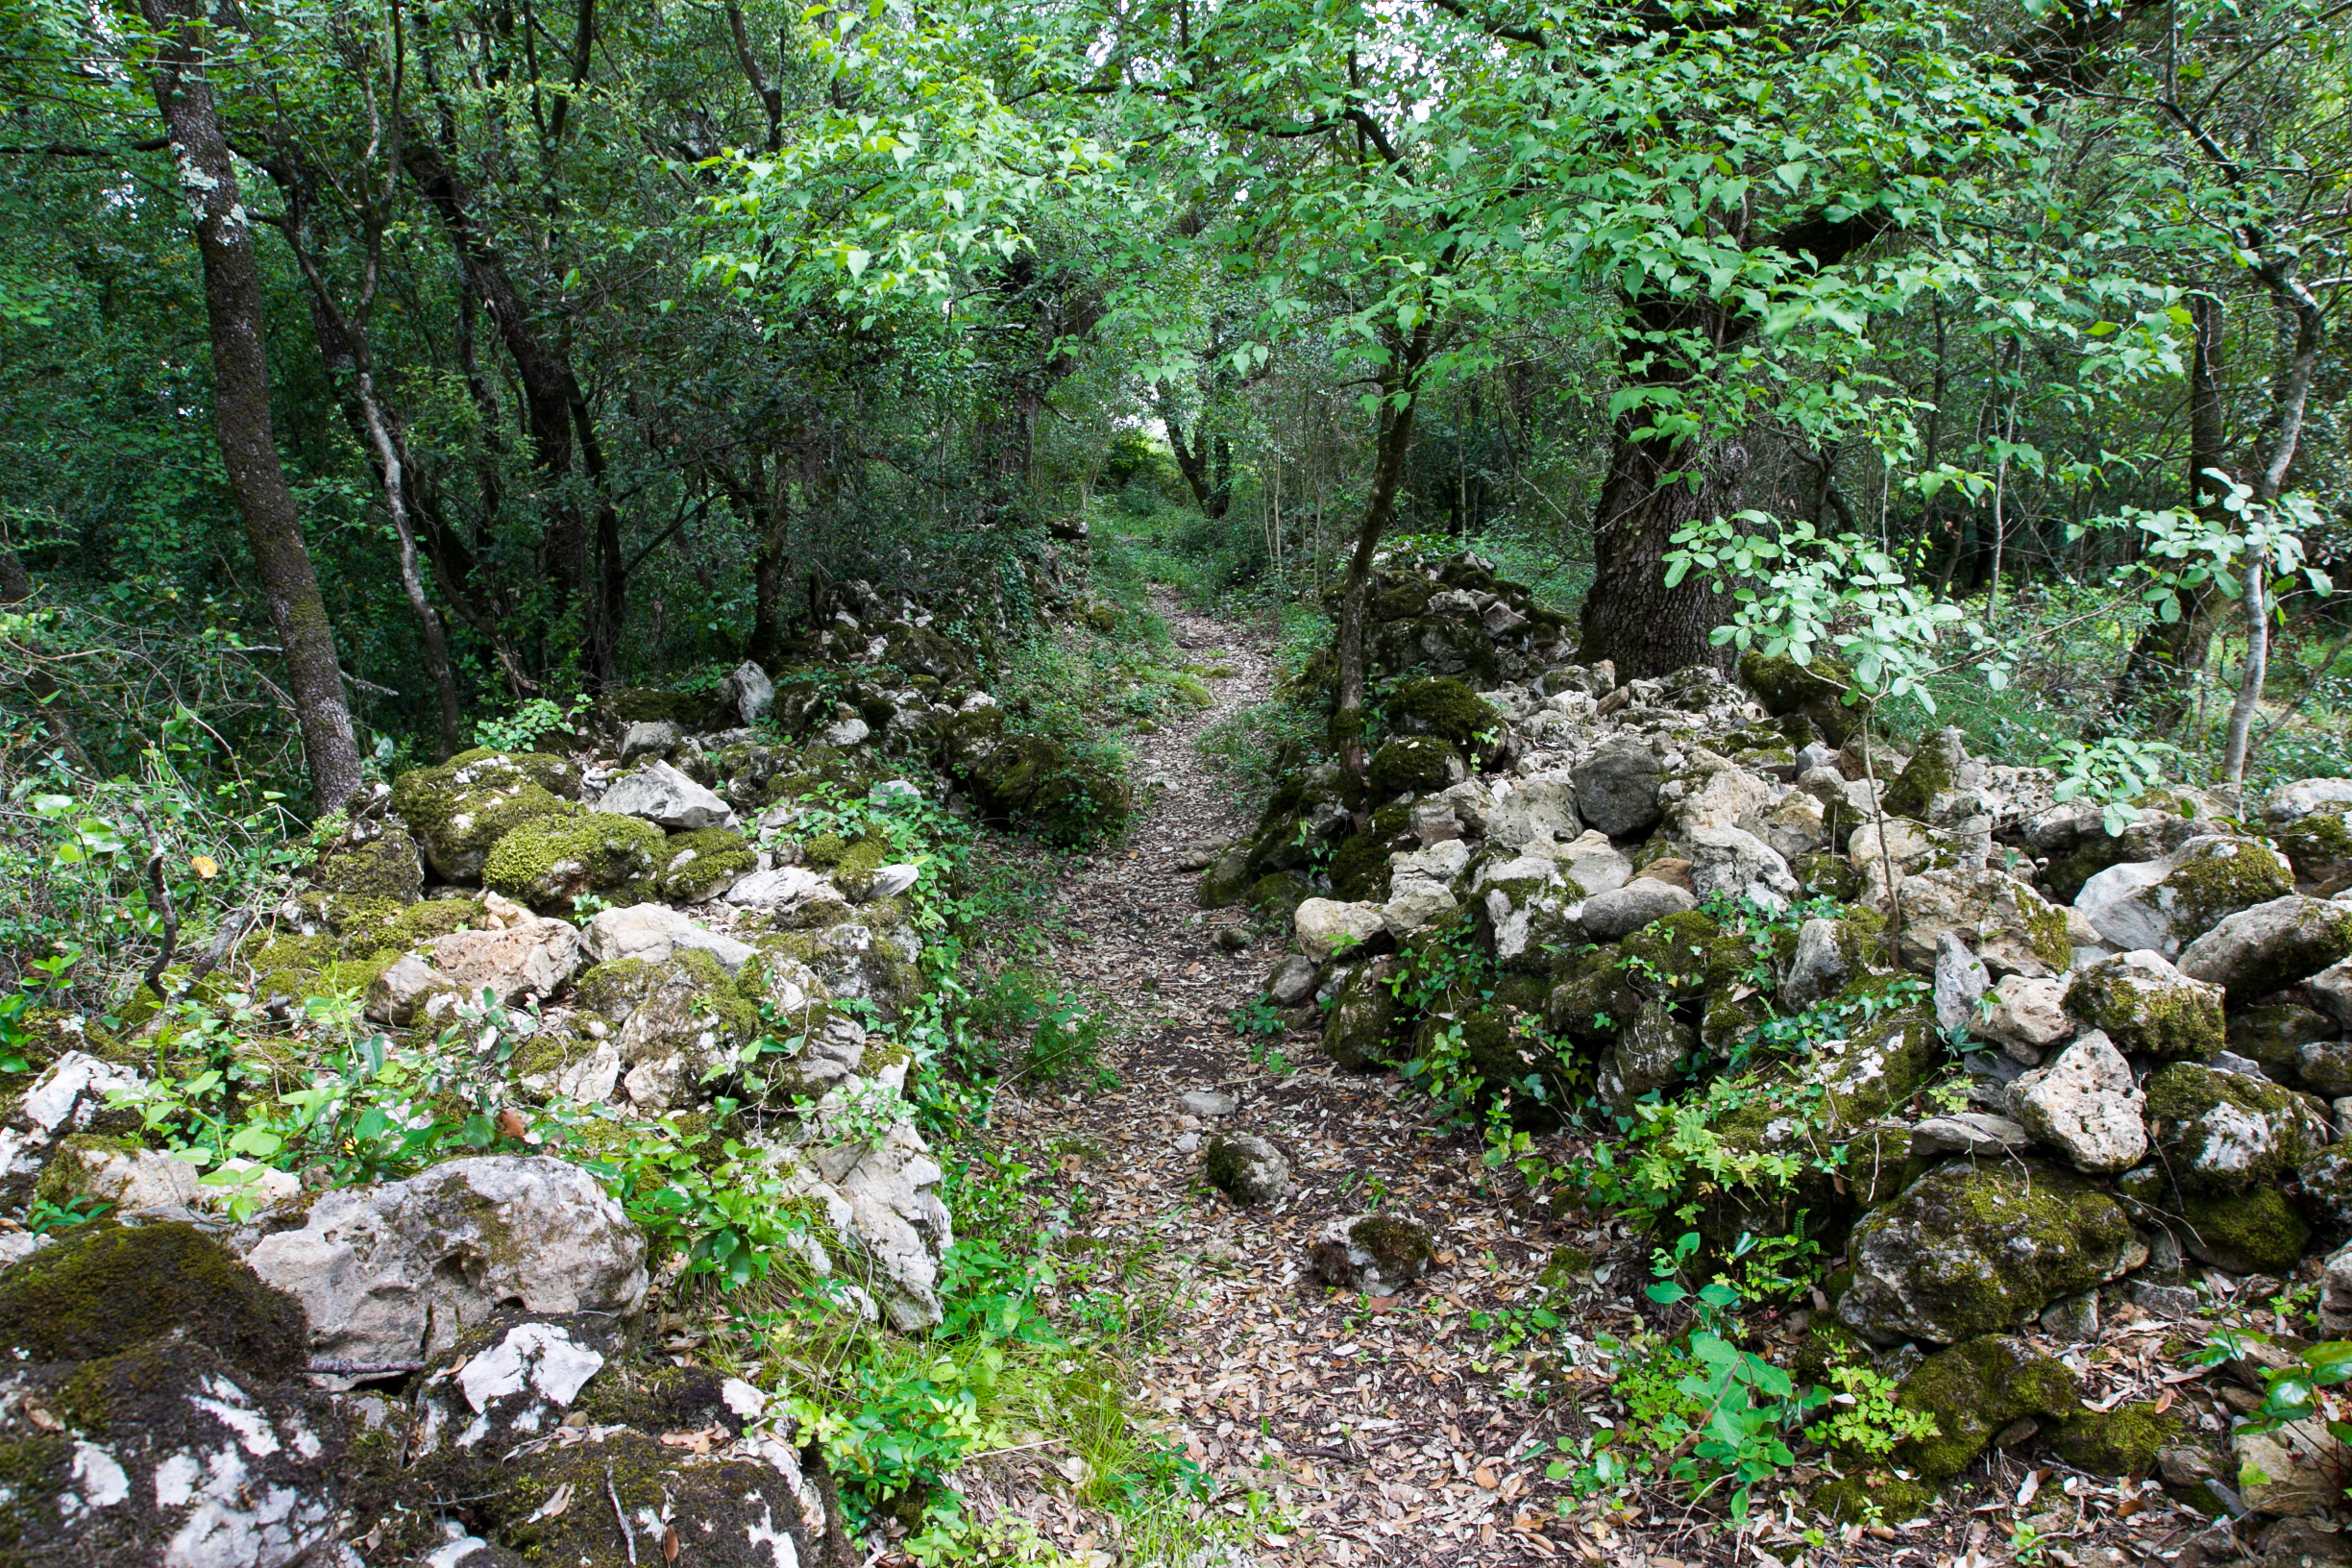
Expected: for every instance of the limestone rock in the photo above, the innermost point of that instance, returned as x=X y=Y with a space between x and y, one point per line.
x=1376 y=1254
x=1292 y=984
x=2258 y=951
x=882 y=1197
x=531 y=958
x=659 y=793
x=747 y=694
x=1609 y=916
x=650 y=738
x=408 y=991
x=1540 y=806
x=1961 y=981
x=2148 y=1006
x=388 y=1273
x=1967 y=1132
x=1821 y=964
x=550 y=862
x=1733 y=861
x=652 y=932
x=461 y=808
x=2028 y=1016
x=2295 y=1470
x=2165 y=904
x=2331 y=992
x=2290 y=803
x=61 y=1103
x=1360 y=1030
x=1327 y=927
x=1617 y=787
x=1972 y=1249
x=1247 y=1168
x=1649 y=1054
x=2222 y=1132
x=2013 y=928
x=2086 y=1106
x=1589 y=861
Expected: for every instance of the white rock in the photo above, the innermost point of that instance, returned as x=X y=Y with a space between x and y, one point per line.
x=406 y=989
x=1591 y=861
x=2086 y=1106
x=394 y=1272
x=535 y=958
x=659 y=793
x=748 y=692
x=1608 y=916
x=1438 y=863
x=657 y=736
x=1326 y=926
x=2305 y=797
x=1542 y=806
x=1961 y=980
x=785 y=887
x=2156 y=904
x=1737 y=863
x=1970 y=1132
x=844 y=733
x=652 y=932
x=889 y=881
x=1414 y=902
x=1209 y=1102
x=2028 y=1016
x=540 y=1356
x=2331 y=992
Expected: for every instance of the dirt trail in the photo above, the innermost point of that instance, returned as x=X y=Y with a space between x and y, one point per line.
x=1381 y=1434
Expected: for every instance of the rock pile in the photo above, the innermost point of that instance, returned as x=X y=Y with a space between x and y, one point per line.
x=1555 y=880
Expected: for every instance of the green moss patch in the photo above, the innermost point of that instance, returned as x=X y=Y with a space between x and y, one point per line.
x=2124 y=1441
x=1444 y=707
x=1414 y=765
x=550 y=861
x=1973 y=1391
x=104 y=1293
x=697 y=865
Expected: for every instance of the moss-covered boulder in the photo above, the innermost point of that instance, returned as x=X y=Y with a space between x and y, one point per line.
x=110 y=1288
x=1065 y=793
x=458 y=810
x=1359 y=869
x=1227 y=880
x=2165 y=904
x=2245 y=1233
x=1872 y=1494
x=2149 y=1007
x=1933 y=774
x=1975 y=1389
x=2223 y=1132
x=1443 y=707
x=1378 y=1253
x=423 y=921
x=680 y=1024
x=703 y=865
x=1362 y=1031
x=362 y=887
x=2006 y=921
x=2124 y=1441
x=1592 y=997
x=2320 y=848
x=550 y=862
x=1811 y=690
x=2259 y=951
x=1972 y=1249
x=1414 y=765
x=2274 y=1036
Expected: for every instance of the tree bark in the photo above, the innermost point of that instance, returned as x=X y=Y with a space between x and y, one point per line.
x=1393 y=438
x=2166 y=656
x=1631 y=617
x=241 y=401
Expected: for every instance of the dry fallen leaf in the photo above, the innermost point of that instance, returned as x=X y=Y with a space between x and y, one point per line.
x=670 y=1544
x=510 y=1123
x=43 y=1419
x=558 y=1501
x=1484 y=1476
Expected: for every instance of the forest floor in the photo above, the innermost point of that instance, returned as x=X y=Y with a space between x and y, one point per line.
x=1396 y=1430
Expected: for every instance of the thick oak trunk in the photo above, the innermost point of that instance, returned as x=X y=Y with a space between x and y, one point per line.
x=241 y=401
x=1631 y=617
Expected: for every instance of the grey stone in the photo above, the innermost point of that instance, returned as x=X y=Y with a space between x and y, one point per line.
x=2165 y=904
x=1609 y=916
x=393 y=1272
x=1377 y=1253
x=2293 y=802
x=1969 y=1132
x=1961 y=981
x=2331 y=992
x=1737 y=863
x=409 y=990
x=1209 y=1102
x=2027 y=1016
x=1292 y=982
x=783 y=888
x=1247 y=1168
x=1617 y=787
x=2172 y=1301
x=1540 y=806
x=844 y=733
x=659 y=793
x=528 y=957
x=746 y=693
x=650 y=737
x=2074 y=1319
x=2086 y=1106
x=1819 y=968
x=1649 y=1054
x=1327 y=926
x=653 y=932
x=2258 y=951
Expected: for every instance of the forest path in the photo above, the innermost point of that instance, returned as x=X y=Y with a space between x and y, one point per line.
x=1388 y=1433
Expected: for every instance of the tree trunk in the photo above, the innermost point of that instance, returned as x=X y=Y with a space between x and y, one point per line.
x=1392 y=440
x=1631 y=616
x=2166 y=657
x=241 y=401
x=2257 y=668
